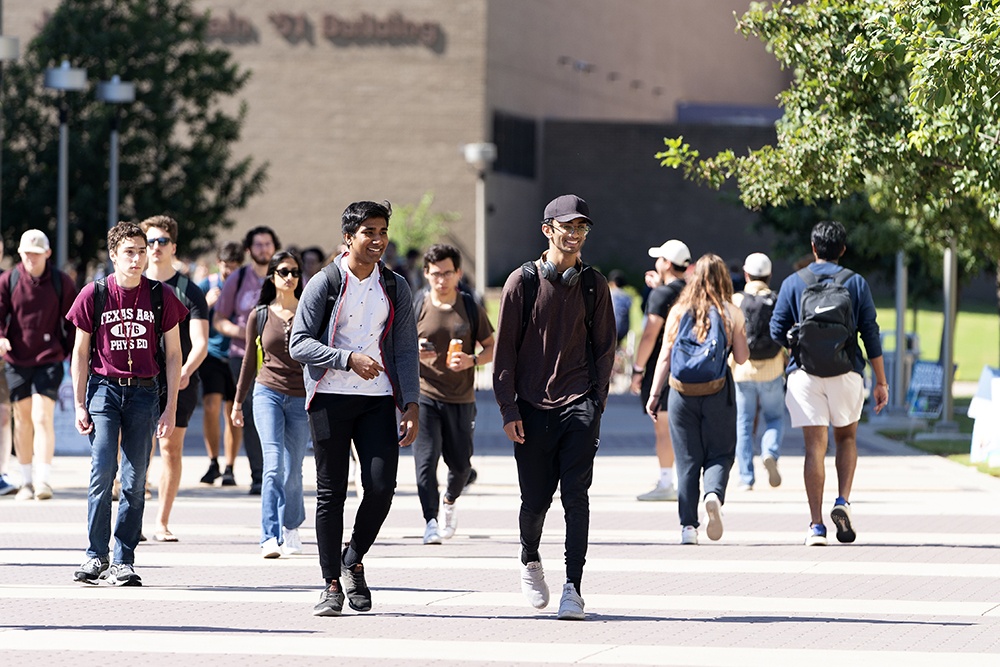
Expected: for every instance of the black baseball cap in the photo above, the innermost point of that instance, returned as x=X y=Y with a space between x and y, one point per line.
x=567 y=207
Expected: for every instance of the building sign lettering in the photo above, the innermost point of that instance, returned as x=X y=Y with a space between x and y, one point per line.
x=294 y=28
x=231 y=29
x=394 y=29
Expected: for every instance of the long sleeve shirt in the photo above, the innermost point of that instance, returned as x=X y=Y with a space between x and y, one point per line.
x=549 y=368
x=33 y=320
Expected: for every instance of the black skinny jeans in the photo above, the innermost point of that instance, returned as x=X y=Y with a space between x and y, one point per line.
x=558 y=449
x=445 y=429
x=336 y=419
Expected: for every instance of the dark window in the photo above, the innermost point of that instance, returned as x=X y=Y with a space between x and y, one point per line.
x=515 y=140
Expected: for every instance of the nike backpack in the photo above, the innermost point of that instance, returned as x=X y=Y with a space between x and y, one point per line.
x=824 y=340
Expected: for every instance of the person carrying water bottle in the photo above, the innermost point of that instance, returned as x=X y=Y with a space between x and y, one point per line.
x=702 y=329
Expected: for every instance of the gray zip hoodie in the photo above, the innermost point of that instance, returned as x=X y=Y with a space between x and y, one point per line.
x=397 y=344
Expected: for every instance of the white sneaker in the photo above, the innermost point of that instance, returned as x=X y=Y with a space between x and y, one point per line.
x=450 y=521
x=689 y=535
x=431 y=535
x=533 y=583
x=713 y=507
x=659 y=493
x=771 y=465
x=292 y=543
x=26 y=492
x=571 y=604
x=270 y=548
x=43 y=491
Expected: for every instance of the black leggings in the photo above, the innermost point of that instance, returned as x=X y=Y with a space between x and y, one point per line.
x=370 y=421
x=558 y=449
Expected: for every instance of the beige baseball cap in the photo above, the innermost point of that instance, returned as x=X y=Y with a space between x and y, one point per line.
x=34 y=240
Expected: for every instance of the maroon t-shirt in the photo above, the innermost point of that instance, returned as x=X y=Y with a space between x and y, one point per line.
x=127 y=322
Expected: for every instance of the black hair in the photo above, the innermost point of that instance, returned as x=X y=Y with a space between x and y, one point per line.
x=359 y=211
x=829 y=238
x=261 y=229
x=442 y=251
x=617 y=276
x=232 y=252
x=314 y=250
x=268 y=291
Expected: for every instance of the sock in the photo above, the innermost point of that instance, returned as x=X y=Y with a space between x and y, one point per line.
x=25 y=474
x=44 y=470
x=667 y=477
x=214 y=461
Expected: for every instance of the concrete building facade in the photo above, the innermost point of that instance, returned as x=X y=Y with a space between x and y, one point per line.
x=373 y=99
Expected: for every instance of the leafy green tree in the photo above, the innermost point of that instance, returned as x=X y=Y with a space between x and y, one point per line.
x=894 y=99
x=176 y=139
x=416 y=226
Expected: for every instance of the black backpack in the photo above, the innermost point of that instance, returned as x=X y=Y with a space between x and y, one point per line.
x=471 y=309
x=530 y=280
x=156 y=302
x=57 y=284
x=824 y=340
x=758 y=308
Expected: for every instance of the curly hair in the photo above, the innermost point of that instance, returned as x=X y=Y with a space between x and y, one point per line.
x=124 y=230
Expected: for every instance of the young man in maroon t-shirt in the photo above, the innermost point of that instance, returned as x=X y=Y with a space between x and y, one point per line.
x=117 y=396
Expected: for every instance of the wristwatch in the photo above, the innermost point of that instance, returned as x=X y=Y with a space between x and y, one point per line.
x=638 y=370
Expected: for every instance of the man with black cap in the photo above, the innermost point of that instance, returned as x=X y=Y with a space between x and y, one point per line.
x=551 y=372
x=672 y=260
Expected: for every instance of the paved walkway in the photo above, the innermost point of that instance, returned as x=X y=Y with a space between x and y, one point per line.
x=920 y=587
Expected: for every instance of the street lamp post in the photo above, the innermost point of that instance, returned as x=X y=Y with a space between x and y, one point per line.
x=64 y=78
x=9 y=50
x=480 y=156
x=115 y=92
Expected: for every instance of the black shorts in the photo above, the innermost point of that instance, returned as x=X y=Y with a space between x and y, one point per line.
x=187 y=401
x=647 y=389
x=23 y=381
x=216 y=378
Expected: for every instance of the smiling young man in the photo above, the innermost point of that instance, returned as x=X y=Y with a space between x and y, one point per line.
x=35 y=340
x=551 y=373
x=447 y=396
x=161 y=235
x=238 y=298
x=115 y=370
x=355 y=334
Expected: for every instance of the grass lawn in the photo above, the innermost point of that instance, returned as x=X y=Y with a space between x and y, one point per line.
x=977 y=335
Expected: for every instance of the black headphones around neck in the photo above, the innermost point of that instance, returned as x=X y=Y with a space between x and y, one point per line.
x=569 y=277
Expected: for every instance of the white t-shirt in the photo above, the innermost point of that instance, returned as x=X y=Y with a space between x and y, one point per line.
x=362 y=315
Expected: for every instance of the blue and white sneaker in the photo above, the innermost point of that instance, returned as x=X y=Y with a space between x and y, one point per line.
x=6 y=488
x=816 y=536
x=841 y=516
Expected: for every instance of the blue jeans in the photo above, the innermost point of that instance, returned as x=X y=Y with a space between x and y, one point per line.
x=130 y=412
x=770 y=397
x=283 y=426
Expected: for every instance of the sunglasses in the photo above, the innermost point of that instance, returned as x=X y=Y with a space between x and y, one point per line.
x=284 y=273
x=161 y=240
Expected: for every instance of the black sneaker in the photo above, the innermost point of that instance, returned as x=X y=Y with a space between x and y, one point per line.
x=212 y=474
x=331 y=601
x=228 y=478
x=122 y=574
x=358 y=594
x=473 y=476
x=255 y=489
x=92 y=570
x=841 y=516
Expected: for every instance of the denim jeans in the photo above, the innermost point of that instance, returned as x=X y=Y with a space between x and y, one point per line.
x=283 y=426
x=130 y=412
x=770 y=397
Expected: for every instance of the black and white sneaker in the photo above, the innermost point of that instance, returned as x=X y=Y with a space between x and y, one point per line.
x=122 y=574
x=358 y=594
x=841 y=516
x=92 y=570
x=331 y=601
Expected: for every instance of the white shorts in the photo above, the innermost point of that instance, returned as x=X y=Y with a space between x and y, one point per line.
x=816 y=401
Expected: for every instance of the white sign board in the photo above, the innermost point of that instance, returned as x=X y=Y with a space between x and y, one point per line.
x=985 y=409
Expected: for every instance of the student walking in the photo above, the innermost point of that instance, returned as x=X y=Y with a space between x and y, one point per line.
x=279 y=397
x=355 y=334
x=702 y=329
x=819 y=314
x=119 y=322
x=551 y=373
x=35 y=339
x=446 y=314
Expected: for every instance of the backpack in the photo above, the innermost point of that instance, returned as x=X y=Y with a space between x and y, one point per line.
x=823 y=340
x=531 y=281
x=57 y=283
x=471 y=309
x=699 y=368
x=262 y=312
x=156 y=302
x=758 y=308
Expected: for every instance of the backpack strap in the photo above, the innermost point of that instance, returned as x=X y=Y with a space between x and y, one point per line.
x=530 y=281
x=472 y=311
x=181 y=290
x=589 y=283
x=100 y=300
x=262 y=312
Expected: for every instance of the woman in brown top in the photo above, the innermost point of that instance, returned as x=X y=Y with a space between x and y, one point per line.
x=279 y=405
